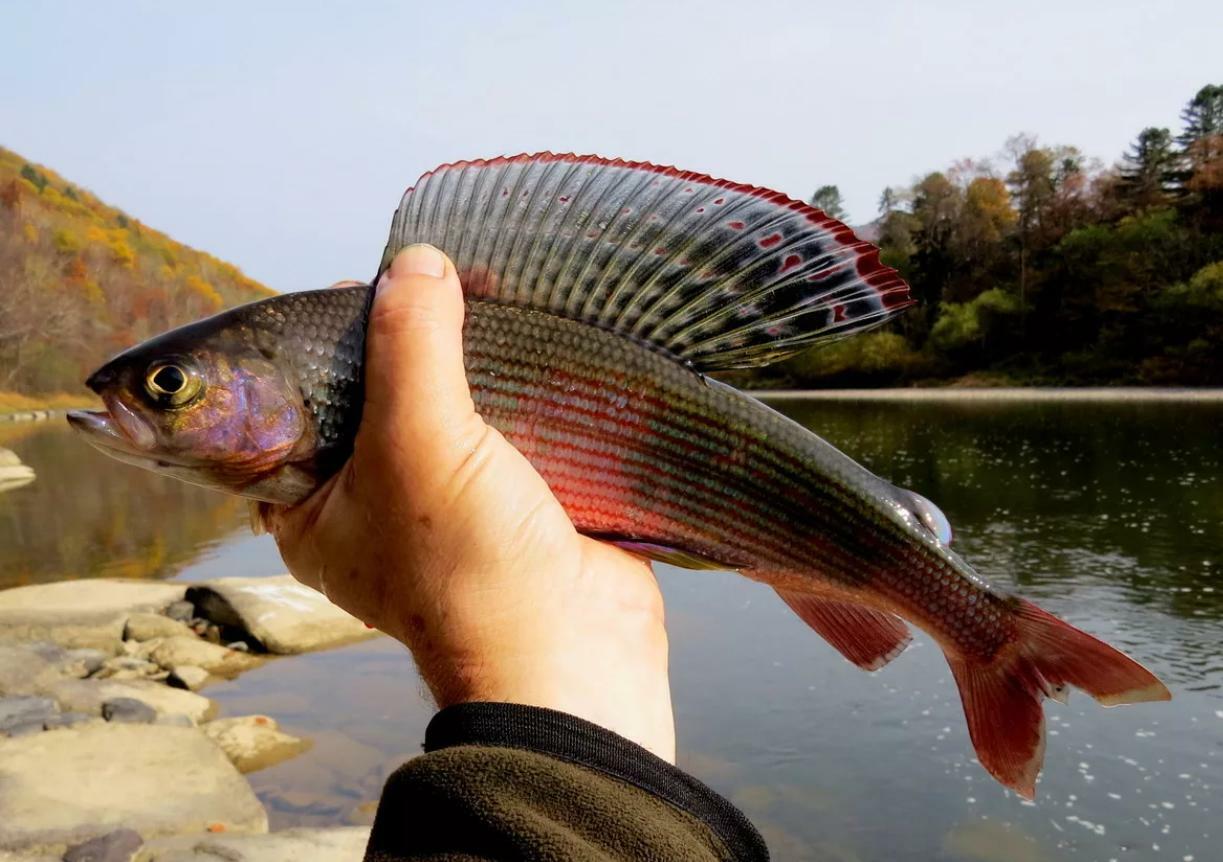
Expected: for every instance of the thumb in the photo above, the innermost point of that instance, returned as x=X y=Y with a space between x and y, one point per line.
x=415 y=385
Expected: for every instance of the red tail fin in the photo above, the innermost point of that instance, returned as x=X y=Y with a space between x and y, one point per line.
x=1002 y=699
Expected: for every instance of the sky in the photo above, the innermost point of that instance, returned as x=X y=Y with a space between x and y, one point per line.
x=279 y=136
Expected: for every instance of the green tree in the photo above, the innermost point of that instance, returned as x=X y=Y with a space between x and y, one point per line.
x=828 y=199
x=1149 y=170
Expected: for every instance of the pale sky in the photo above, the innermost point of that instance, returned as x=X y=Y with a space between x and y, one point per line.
x=280 y=136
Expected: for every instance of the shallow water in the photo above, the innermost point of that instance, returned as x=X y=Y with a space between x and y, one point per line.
x=1108 y=515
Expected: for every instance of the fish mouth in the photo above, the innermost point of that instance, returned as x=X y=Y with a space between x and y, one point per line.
x=104 y=433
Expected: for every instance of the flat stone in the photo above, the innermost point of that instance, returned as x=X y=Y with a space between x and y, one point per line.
x=88 y=613
x=87 y=695
x=118 y=846
x=75 y=784
x=189 y=677
x=339 y=844
x=253 y=742
x=68 y=719
x=189 y=650
x=146 y=626
x=13 y=473
x=128 y=710
x=277 y=613
x=16 y=712
x=26 y=668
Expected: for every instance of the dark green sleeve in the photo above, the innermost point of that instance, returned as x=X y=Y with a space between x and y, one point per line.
x=503 y=781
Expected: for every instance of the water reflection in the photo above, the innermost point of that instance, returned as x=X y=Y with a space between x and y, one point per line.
x=88 y=516
x=1106 y=514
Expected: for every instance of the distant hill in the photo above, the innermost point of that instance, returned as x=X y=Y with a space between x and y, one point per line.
x=80 y=280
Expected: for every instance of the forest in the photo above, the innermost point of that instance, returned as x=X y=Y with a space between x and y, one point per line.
x=81 y=280
x=1036 y=266
x=1040 y=266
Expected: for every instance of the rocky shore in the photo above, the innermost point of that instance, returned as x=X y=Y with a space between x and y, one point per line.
x=13 y=473
x=109 y=750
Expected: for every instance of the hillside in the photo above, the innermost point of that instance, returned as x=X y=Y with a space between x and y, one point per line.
x=80 y=279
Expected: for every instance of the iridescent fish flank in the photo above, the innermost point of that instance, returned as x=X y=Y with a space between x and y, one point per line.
x=600 y=294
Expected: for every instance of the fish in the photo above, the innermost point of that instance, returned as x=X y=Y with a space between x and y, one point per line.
x=601 y=295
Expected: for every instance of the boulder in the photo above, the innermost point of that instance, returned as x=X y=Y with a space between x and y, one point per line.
x=253 y=741
x=75 y=784
x=278 y=613
x=146 y=626
x=190 y=650
x=89 y=613
x=189 y=677
x=118 y=846
x=128 y=710
x=88 y=695
x=340 y=844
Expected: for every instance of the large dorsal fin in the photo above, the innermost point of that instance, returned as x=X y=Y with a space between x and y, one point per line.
x=720 y=274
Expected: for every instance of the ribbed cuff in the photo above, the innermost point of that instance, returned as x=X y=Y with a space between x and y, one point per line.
x=575 y=740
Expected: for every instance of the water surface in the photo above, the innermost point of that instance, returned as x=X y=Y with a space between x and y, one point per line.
x=1108 y=515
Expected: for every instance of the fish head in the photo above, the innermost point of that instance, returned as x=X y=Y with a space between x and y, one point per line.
x=209 y=405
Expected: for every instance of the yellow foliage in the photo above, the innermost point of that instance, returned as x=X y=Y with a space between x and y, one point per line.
x=30 y=233
x=95 y=234
x=66 y=241
x=121 y=253
x=205 y=291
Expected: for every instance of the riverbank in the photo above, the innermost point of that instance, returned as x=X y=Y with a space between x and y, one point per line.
x=105 y=738
x=1008 y=393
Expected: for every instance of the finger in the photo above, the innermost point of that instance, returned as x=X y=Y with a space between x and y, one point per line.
x=415 y=380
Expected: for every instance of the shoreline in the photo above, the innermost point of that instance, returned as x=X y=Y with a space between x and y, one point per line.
x=1001 y=393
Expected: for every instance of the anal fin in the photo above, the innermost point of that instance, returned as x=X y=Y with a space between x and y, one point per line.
x=867 y=637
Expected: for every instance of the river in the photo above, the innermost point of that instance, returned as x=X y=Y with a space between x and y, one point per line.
x=1107 y=514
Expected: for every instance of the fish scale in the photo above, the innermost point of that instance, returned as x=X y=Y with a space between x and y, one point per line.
x=600 y=294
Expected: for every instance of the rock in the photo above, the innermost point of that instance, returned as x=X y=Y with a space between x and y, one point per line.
x=240 y=646
x=180 y=611
x=127 y=667
x=339 y=844
x=89 y=613
x=146 y=626
x=175 y=721
x=89 y=661
x=128 y=710
x=252 y=742
x=87 y=695
x=190 y=650
x=277 y=613
x=118 y=846
x=70 y=785
x=68 y=719
x=188 y=676
x=20 y=713
x=13 y=473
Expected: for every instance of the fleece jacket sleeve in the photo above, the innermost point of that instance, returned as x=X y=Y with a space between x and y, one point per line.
x=503 y=781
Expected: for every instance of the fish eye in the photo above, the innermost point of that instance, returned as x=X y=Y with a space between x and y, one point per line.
x=172 y=384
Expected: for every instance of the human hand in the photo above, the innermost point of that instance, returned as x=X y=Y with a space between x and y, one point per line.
x=441 y=534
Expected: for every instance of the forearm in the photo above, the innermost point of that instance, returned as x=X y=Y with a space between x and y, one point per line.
x=503 y=781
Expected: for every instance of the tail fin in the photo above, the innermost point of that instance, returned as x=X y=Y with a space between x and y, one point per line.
x=1002 y=699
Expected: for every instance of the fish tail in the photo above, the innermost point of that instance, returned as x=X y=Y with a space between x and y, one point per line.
x=1002 y=697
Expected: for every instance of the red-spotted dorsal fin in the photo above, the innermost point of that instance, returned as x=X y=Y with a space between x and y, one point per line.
x=720 y=274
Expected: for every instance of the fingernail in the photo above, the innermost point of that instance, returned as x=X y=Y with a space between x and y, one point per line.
x=420 y=259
